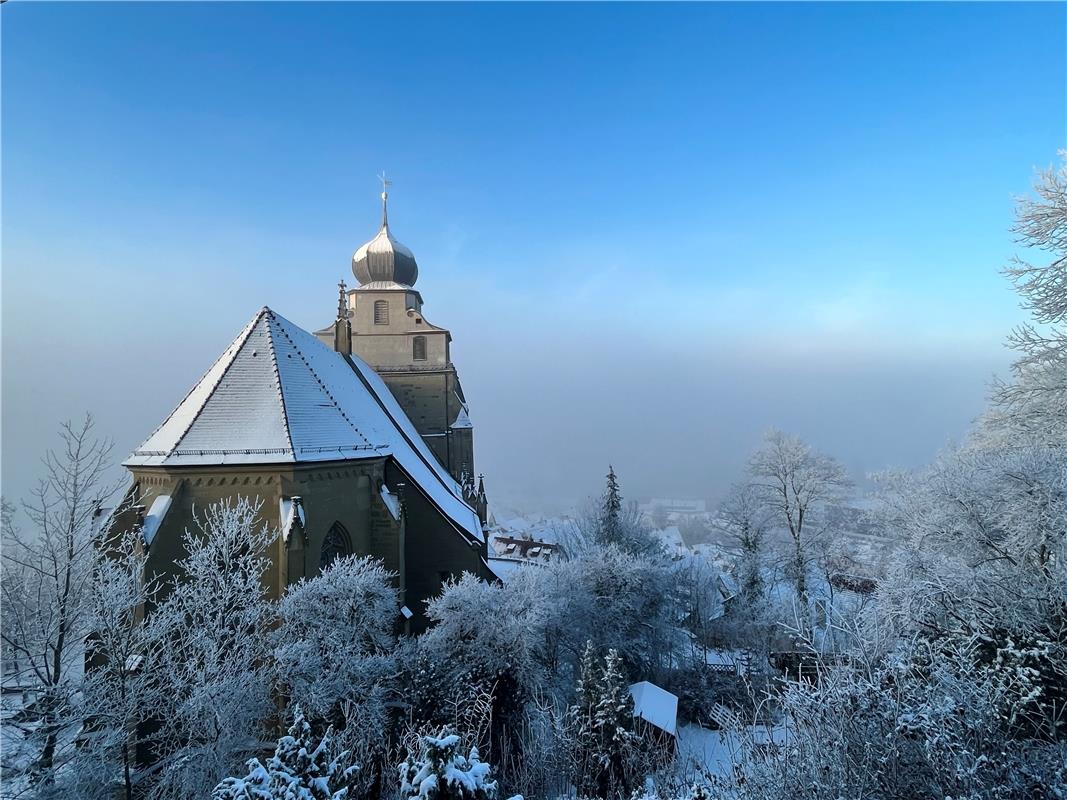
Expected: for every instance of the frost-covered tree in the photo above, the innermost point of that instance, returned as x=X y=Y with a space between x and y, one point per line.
x=983 y=560
x=441 y=772
x=213 y=636
x=303 y=767
x=700 y=605
x=121 y=687
x=660 y=518
x=744 y=516
x=1035 y=402
x=46 y=587
x=797 y=483
x=334 y=649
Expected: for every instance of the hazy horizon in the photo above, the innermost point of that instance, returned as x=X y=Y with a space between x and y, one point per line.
x=654 y=232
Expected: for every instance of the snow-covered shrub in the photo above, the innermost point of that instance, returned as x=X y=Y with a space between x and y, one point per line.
x=441 y=772
x=300 y=769
x=624 y=603
x=920 y=723
x=477 y=665
x=334 y=651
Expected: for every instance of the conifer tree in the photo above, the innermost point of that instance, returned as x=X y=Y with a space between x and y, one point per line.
x=582 y=722
x=604 y=744
x=614 y=723
x=611 y=508
x=301 y=769
x=440 y=772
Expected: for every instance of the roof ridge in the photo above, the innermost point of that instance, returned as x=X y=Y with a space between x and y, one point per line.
x=278 y=380
x=322 y=388
x=243 y=336
x=234 y=346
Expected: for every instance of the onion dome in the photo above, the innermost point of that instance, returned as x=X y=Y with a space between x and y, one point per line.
x=383 y=258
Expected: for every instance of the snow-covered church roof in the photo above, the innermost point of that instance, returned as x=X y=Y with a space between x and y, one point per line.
x=278 y=395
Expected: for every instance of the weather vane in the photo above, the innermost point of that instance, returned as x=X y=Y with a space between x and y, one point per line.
x=386 y=183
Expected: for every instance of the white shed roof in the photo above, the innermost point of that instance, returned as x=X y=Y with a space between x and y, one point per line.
x=656 y=706
x=279 y=395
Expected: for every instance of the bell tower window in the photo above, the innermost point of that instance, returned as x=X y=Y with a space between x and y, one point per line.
x=381 y=312
x=418 y=348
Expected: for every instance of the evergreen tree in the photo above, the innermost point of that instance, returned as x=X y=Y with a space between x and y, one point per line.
x=441 y=773
x=301 y=769
x=604 y=745
x=611 y=509
x=614 y=722
x=621 y=526
x=581 y=720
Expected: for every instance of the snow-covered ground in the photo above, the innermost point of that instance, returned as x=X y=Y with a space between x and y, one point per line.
x=716 y=751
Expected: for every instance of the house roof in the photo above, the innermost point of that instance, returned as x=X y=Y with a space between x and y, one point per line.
x=278 y=395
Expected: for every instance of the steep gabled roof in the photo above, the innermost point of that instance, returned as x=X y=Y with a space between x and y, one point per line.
x=278 y=395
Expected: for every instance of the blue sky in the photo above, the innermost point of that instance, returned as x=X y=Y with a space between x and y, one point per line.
x=644 y=223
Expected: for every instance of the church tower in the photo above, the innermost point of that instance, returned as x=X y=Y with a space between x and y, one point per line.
x=383 y=322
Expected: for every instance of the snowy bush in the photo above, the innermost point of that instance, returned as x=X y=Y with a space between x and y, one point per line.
x=921 y=723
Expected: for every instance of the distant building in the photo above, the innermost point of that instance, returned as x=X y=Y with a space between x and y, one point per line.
x=538 y=550
x=661 y=510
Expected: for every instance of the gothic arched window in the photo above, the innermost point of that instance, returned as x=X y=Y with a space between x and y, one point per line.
x=335 y=545
x=418 y=348
x=381 y=312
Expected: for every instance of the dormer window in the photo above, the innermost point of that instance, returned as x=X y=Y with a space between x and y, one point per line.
x=418 y=348
x=381 y=312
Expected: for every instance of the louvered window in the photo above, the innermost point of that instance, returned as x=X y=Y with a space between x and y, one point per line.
x=418 y=348
x=381 y=312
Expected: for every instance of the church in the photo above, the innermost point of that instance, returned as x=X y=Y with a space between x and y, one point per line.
x=356 y=439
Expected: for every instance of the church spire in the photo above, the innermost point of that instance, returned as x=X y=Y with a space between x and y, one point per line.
x=383 y=259
x=386 y=183
x=342 y=311
x=342 y=327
